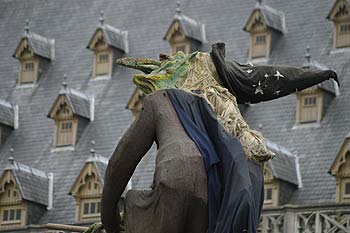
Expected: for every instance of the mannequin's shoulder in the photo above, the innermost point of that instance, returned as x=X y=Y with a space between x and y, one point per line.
x=156 y=97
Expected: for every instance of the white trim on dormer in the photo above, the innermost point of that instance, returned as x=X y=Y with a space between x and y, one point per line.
x=16 y=117
x=92 y=108
x=50 y=193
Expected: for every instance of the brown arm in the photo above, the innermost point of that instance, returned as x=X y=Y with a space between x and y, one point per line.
x=134 y=144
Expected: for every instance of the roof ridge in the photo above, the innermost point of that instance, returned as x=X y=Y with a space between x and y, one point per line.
x=25 y=168
x=279 y=148
x=271 y=9
x=69 y=90
x=97 y=158
x=113 y=29
x=5 y=103
x=189 y=19
x=38 y=37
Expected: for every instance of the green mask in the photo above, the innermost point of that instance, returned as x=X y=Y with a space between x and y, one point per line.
x=158 y=75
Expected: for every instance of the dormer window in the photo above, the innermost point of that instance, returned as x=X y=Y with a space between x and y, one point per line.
x=268 y=194
x=343 y=35
x=66 y=126
x=271 y=188
x=87 y=189
x=33 y=52
x=346 y=188
x=135 y=103
x=107 y=43
x=28 y=64
x=314 y=101
x=103 y=63
x=28 y=73
x=340 y=16
x=8 y=120
x=310 y=106
x=184 y=34
x=72 y=111
x=280 y=177
x=183 y=47
x=65 y=132
x=11 y=216
x=341 y=170
x=91 y=209
x=11 y=212
x=260 y=44
x=264 y=24
x=20 y=195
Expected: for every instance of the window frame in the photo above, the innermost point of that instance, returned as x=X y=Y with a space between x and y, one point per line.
x=9 y=209
x=338 y=33
x=309 y=104
x=255 y=45
x=268 y=201
x=315 y=106
x=185 y=44
x=346 y=182
x=73 y=131
x=98 y=62
x=24 y=71
x=105 y=56
x=89 y=202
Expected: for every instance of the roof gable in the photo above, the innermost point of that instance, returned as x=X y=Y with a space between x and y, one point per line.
x=33 y=184
x=112 y=36
x=340 y=9
x=264 y=16
x=95 y=166
x=341 y=157
x=135 y=100
x=190 y=28
x=36 y=45
x=8 y=179
x=73 y=102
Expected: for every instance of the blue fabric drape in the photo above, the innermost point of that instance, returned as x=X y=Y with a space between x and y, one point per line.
x=235 y=184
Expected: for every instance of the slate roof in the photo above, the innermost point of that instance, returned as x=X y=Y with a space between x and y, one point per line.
x=71 y=23
x=274 y=19
x=7 y=113
x=33 y=183
x=191 y=28
x=40 y=45
x=284 y=164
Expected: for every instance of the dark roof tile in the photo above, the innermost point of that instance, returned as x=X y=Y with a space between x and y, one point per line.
x=283 y=165
x=7 y=114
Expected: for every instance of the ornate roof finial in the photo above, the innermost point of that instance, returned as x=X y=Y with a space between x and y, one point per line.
x=64 y=83
x=308 y=55
x=26 y=28
x=92 y=150
x=178 y=7
x=102 y=18
x=11 y=159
